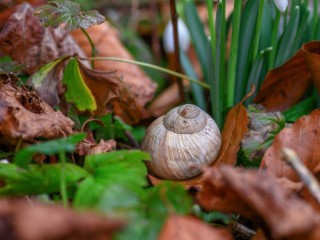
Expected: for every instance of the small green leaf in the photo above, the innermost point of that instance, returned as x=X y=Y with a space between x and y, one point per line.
x=77 y=90
x=38 y=179
x=122 y=168
x=38 y=77
x=66 y=15
x=24 y=157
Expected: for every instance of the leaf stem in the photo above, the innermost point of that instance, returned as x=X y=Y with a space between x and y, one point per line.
x=233 y=52
x=257 y=31
x=148 y=65
x=93 y=47
x=274 y=37
x=63 y=186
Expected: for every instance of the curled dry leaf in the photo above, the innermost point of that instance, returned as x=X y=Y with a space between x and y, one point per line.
x=286 y=85
x=109 y=91
x=311 y=51
x=107 y=43
x=24 y=115
x=257 y=196
x=27 y=42
x=234 y=129
x=86 y=148
x=303 y=137
x=25 y=221
x=191 y=228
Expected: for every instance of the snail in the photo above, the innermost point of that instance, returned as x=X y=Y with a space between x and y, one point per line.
x=181 y=143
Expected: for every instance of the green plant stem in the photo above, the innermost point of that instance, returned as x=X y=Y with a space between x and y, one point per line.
x=143 y=64
x=315 y=19
x=257 y=31
x=274 y=38
x=214 y=73
x=233 y=52
x=63 y=186
x=222 y=47
x=93 y=47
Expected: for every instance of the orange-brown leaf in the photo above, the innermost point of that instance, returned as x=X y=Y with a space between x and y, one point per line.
x=110 y=92
x=107 y=42
x=191 y=228
x=311 y=51
x=259 y=197
x=286 y=85
x=304 y=138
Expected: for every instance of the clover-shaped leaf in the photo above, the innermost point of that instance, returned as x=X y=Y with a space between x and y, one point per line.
x=67 y=15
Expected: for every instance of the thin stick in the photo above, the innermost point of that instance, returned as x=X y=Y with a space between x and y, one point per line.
x=176 y=57
x=143 y=64
x=304 y=174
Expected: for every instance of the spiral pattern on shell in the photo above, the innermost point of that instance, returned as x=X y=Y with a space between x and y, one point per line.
x=181 y=143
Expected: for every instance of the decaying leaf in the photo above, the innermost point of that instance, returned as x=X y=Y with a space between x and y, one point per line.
x=190 y=228
x=86 y=148
x=27 y=42
x=263 y=127
x=234 y=129
x=25 y=221
x=286 y=85
x=257 y=196
x=98 y=91
x=24 y=115
x=107 y=43
x=304 y=138
x=66 y=15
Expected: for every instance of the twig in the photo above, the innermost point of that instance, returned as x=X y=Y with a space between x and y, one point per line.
x=242 y=230
x=305 y=175
x=176 y=57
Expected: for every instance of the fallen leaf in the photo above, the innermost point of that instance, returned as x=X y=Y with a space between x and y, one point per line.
x=303 y=137
x=286 y=85
x=107 y=43
x=98 y=91
x=36 y=221
x=257 y=196
x=27 y=42
x=234 y=129
x=86 y=148
x=190 y=228
x=26 y=116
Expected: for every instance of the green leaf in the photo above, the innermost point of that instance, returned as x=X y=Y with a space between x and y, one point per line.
x=302 y=108
x=77 y=90
x=288 y=39
x=123 y=168
x=38 y=77
x=24 y=157
x=38 y=179
x=66 y=15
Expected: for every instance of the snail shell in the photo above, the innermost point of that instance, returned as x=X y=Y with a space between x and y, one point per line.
x=181 y=143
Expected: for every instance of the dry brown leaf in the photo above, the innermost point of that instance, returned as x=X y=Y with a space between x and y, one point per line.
x=190 y=228
x=257 y=196
x=304 y=138
x=86 y=148
x=234 y=129
x=108 y=89
x=24 y=115
x=27 y=42
x=107 y=42
x=286 y=85
x=35 y=221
